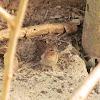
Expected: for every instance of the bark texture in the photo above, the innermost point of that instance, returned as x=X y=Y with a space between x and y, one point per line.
x=91 y=29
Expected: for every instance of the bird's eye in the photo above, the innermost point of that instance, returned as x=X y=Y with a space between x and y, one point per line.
x=51 y=50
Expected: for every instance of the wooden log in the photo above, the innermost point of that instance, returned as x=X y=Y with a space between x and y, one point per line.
x=40 y=30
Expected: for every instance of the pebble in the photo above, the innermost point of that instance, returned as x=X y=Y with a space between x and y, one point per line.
x=71 y=90
x=75 y=21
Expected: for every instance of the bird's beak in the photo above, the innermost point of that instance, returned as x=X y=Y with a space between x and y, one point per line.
x=58 y=50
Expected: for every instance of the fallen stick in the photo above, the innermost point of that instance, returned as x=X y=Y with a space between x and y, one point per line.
x=40 y=30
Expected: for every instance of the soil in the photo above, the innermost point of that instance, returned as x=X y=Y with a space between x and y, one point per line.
x=33 y=81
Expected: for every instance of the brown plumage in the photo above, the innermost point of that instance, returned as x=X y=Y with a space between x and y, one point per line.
x=50 y=56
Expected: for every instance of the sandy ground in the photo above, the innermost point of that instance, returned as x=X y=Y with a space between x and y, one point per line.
x=33 y=81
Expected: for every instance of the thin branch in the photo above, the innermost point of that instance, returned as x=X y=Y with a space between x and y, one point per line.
x=12 y=49
x=5 y=15
x=88 y=85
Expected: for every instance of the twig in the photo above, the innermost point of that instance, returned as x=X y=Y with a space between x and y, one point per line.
x=82 y=11
x=88 y=85
x=46 y=14
x=17 y=22
x=9 y=18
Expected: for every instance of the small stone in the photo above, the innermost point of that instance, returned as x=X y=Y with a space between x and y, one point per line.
x=75 y=21
x=43 y=92
x=59 y=90
x=71 y=90
x=60 y=77
x=58 y=7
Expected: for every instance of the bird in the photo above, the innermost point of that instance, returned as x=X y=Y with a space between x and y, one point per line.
x=50 y=57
